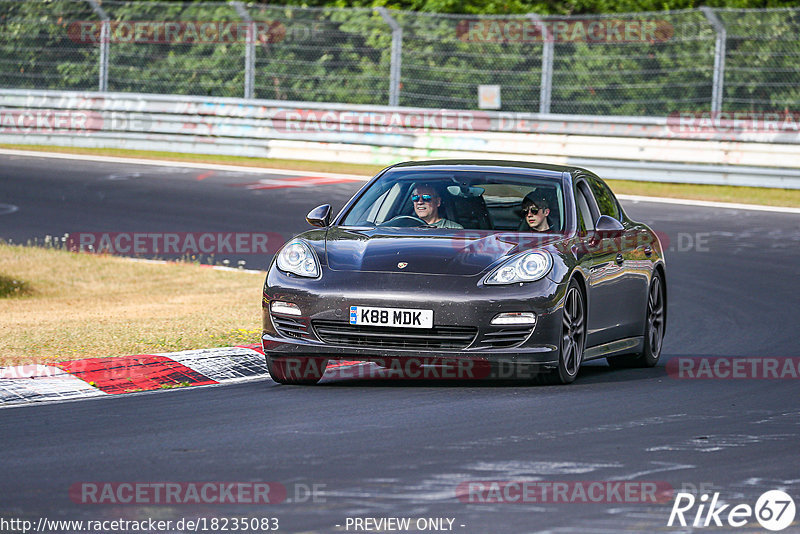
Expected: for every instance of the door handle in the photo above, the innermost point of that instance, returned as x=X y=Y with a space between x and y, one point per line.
x=648 y=251
x=620 y=259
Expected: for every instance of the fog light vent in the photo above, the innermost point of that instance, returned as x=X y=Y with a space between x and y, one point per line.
x=284 y=308
x=515 y=318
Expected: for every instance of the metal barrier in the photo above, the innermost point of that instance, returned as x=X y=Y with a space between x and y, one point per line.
x=638 y=148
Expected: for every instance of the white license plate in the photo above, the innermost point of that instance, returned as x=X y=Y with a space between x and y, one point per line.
x=399 y=317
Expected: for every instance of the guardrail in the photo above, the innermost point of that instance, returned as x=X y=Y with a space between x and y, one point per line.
x=720 y=149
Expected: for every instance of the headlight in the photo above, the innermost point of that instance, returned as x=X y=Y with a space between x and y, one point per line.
x=525 y=267
x=297 y=258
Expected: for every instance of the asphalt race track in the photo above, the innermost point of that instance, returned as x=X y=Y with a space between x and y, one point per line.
x=377 y=448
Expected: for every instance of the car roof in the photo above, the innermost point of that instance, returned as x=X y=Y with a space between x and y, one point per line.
x=545 y=169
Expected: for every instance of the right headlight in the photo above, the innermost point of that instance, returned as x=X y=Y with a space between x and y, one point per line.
x=525 y=267
x=298 y=258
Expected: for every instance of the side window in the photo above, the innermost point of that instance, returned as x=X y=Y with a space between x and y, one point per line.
x=605 y=199
x=581 y=223
x=585 y=221
x=382 y=206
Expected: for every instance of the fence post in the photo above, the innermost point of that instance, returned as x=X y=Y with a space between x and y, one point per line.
x=249 y=51
x=719 y=58
x=397 y=56
x=548 y=46
x=105 y=43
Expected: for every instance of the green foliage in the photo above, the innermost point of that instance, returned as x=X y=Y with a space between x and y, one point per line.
x=13 y=287
x=35 y=50
x=326 y=53
x=547 y=7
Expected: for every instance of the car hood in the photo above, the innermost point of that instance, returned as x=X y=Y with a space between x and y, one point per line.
x=423 y=250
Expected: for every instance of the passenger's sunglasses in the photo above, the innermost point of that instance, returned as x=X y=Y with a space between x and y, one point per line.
x=424 y=198
x=533 y=210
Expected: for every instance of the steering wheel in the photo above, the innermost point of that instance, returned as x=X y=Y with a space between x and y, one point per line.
x=404 y=221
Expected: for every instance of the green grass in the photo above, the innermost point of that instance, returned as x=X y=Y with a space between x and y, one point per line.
x=82 y=305
x=717 y=193
x=11 y=286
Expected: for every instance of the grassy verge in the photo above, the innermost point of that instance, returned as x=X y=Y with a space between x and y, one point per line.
x=745 y=195
x=83 y=305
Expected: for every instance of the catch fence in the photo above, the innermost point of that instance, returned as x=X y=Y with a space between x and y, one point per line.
x=641 y=64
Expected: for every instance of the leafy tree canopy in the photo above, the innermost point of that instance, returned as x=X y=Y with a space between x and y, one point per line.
x=546 y=7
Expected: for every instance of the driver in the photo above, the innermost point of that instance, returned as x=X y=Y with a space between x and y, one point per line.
x=426 y=206
x=535 y=212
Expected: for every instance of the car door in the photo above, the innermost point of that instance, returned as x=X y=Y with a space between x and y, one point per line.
x=605 y=285
x=617 y=274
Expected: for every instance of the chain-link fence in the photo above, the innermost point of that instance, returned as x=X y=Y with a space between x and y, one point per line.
x=647 y=64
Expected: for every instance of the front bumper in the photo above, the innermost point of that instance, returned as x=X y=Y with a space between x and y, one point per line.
x=457 y=303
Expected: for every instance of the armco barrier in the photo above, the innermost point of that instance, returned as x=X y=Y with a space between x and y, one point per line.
x=722 y=150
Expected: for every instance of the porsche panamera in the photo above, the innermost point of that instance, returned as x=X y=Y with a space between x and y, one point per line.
x=530 y=265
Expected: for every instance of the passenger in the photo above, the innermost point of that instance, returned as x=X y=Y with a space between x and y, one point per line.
x=426 y=206
x=535 y=212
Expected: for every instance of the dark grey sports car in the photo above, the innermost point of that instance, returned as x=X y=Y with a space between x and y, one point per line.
x=468 y=265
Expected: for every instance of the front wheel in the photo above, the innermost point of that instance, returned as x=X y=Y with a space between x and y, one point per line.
x=653 y=330
x=573 y=338
x=296 y=371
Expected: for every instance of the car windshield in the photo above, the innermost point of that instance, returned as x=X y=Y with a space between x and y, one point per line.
x=473 y=200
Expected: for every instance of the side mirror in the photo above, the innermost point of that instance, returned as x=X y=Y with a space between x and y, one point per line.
x=608 y=226
x=320 y=216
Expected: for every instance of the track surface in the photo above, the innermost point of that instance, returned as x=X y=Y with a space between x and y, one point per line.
x=384 y=448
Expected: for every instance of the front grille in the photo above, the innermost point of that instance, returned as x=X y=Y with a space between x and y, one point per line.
x=289 y=326
x=503 y=338
x=438 y=337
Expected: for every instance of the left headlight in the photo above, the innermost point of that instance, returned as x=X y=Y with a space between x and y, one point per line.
x=296 y=257
x=525 y=267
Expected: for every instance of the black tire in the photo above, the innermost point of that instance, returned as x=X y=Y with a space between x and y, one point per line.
x=296 y=370
x=653 y=330
x=573 y=338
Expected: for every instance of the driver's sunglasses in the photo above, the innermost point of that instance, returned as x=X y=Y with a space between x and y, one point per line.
x=533 y=210
x=424 y=198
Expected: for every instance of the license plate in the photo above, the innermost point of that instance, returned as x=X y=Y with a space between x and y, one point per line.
x=399 y=317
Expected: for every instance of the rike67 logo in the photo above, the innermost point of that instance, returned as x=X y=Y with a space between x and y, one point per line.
x=774 y=510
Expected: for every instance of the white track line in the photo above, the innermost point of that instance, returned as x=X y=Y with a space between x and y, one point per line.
x=259 y=170
x=180 y=164
x=709 y=204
